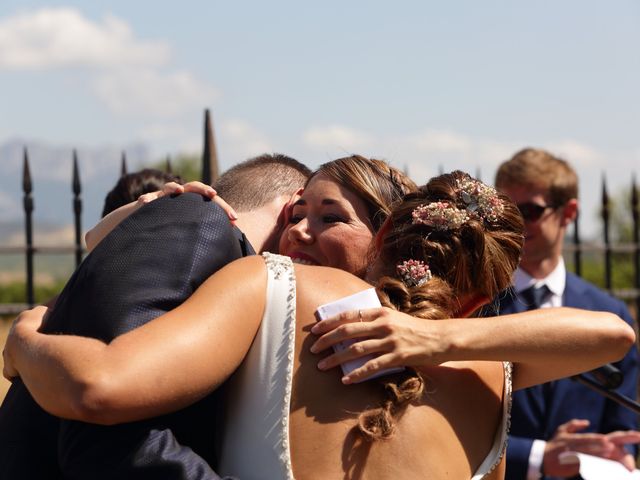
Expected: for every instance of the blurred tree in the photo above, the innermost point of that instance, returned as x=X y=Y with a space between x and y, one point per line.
x=620 y=232
x=188 y=166
x=621 y=219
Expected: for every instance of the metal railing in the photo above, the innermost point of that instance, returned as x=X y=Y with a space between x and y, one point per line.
x=209 y=173
x=574 y=250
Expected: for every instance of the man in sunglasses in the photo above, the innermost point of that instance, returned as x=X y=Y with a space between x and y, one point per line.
x=562 y=415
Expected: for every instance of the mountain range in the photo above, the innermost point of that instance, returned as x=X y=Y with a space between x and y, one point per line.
x=51 y=168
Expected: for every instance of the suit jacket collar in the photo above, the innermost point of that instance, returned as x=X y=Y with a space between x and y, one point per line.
x=556 y=280
x=245 y=245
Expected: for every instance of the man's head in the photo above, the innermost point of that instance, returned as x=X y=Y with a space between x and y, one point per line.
x=131 y=185
x=545 y=188
x=259 y=189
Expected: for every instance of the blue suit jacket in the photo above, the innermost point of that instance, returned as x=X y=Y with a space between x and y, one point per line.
x=538 y=411
x=149 y=264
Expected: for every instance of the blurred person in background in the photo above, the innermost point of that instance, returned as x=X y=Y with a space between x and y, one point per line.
x=563 y=415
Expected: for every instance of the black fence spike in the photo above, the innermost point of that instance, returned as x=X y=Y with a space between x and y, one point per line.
x=26 y=173
x=210 y=171
x=76 y=187
x=77 y=209
x=28 y=206
x=123 y=164
x=635 y=215
x=607 y=243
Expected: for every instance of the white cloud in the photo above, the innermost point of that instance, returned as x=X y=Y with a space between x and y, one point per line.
x=423 y=152
x=149 y=93
x=59 y=37
x=170 y=132
x=338 y=137
x=426 y=151
x=130 y=76
x=576 y=153
x=242 y=140
x=440 y=141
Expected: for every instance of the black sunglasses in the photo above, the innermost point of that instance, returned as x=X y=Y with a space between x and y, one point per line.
x=531 y=212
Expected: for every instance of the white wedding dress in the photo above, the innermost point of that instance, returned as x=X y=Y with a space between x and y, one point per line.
x=255 y=435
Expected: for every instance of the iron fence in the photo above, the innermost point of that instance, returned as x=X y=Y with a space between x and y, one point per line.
x=209 y=173
x=575 y=249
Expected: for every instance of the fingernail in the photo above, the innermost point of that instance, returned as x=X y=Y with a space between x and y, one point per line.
x=322 y=364
x=315 y=328
x=313 y=348
x=346 y=380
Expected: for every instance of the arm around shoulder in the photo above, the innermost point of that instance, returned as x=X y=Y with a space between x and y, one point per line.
x=542 y=344
x=162 y=366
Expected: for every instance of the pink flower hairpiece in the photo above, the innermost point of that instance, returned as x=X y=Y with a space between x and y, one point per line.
x=414 y=273
x=440 y=215
x=481 y=200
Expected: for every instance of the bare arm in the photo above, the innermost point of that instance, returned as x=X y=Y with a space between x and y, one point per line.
x=162 y=366
x=543 y=344
x=94 y=236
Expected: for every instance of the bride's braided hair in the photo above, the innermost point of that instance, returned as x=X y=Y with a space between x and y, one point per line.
x=470 y=238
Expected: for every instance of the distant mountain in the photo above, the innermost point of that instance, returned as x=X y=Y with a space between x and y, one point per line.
x=51 y=173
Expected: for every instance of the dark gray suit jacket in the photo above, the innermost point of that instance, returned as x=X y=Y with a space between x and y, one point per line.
x=149 y=264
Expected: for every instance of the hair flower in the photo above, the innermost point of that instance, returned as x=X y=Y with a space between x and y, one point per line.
x=414 y=273
x=480 y=199
x=440 y=215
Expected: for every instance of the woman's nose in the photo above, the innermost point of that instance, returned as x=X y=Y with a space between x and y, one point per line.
x=300 y=232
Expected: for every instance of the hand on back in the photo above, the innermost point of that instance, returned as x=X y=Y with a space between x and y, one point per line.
x=173 y=188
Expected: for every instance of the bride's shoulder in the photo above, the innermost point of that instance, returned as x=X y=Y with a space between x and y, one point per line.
x=329 y=278
x=246 y=267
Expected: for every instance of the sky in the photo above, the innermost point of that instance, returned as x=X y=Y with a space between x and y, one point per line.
x=427 y=85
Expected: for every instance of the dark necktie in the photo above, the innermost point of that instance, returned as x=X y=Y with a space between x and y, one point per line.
x=535 y=296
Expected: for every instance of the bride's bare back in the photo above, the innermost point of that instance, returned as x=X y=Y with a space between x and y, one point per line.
x=447 y=435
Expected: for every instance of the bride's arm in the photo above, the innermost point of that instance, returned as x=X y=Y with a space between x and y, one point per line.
x=159 y=367
x=543 y=344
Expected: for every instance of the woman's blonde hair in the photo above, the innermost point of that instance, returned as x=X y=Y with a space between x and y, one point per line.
x=471 y=243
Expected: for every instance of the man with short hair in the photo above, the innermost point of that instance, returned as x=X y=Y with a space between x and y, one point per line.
x=549 y=419
x=151 y=262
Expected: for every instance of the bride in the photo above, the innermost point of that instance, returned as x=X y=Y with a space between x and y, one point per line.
x=445 y=251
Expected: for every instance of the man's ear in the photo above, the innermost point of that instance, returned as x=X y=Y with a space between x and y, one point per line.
x=569 y=212
x=285 y=213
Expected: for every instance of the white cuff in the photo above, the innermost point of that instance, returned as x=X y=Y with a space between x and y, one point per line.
x=536 y=456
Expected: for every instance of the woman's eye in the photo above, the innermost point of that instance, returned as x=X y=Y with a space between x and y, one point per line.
x=332 y=219
x=295 y=219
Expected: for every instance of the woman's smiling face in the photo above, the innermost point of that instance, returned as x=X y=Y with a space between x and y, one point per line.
x=329 y=226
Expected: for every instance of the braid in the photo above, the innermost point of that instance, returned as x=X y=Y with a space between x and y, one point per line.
x=403 y=388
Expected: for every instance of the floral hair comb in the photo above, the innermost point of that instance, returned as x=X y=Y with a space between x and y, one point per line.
x=480 y=199
x=440 y=215
x=414 y=273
